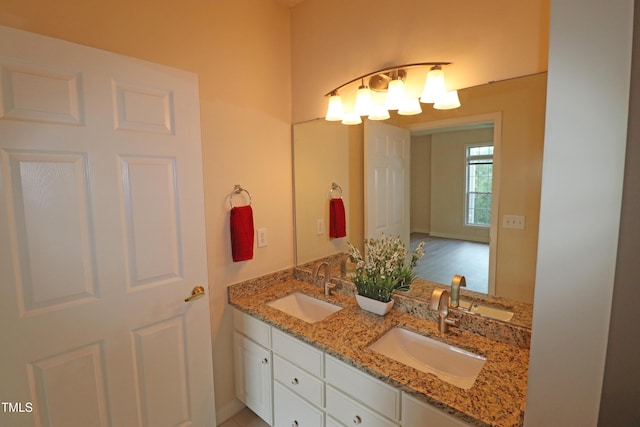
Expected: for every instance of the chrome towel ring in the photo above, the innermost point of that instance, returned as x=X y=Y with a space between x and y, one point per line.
x=335 y=187
x=237 y=189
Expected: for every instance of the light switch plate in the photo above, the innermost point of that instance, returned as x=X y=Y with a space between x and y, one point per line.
x=320 y=227
x=262 y=237
x=513 y=221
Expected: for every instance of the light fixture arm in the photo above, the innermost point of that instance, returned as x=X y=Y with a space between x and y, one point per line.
x=386 y=70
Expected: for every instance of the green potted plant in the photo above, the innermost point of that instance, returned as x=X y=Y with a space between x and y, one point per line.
x=384 y=270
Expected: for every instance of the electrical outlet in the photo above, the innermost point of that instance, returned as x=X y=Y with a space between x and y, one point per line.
x=513 y=221
x=319 y=227
x=262 y=237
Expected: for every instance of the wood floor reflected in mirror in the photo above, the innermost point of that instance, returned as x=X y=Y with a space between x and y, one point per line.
x=445 y=258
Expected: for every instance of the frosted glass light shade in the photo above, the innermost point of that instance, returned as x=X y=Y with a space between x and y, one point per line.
x=410 y=107
x=379 y=113
x=351 y=118
x=364 y=104
x=335 y=111
x=434 y=86
x=395 y=95
x=449 y=101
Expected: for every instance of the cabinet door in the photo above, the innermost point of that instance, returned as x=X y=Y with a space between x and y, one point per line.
x=253 y=376
x=292 y=411
x=419 y=414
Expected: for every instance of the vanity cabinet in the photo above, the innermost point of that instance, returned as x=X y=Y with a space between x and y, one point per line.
x=289 y=383
x=252 y=364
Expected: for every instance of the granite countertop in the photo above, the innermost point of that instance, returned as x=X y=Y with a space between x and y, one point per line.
x=496 y=399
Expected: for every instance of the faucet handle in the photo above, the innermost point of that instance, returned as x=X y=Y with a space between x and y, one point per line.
x=440 y=302
x=435 y=299
x=459 y=280
x=456 y=282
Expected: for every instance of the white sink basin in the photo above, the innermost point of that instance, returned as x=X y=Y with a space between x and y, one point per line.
x=450 y=364
x=494 y=313
x=304 y=307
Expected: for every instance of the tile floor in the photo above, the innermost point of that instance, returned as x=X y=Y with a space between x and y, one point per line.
x=244 y=418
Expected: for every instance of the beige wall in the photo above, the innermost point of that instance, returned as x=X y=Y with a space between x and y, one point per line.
x=323 y=148
x=356 y=186
x=326 y=152
x=421 y=184
x=238 y=49
x=334 y=41
x=448 y=184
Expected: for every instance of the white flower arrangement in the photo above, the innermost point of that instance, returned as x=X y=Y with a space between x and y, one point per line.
x=384 y=269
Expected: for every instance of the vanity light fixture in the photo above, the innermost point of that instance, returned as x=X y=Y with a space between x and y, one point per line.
x=335 y=112
x=410 y=107
x=364 y=103
x=395 y=93
x=379 y=113
x=434 y=86
x=447 y=102
x=389 y=84
x=351 y=118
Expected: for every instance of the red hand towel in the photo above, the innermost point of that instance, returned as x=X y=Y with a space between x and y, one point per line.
x=241 y=233
x=337 y=221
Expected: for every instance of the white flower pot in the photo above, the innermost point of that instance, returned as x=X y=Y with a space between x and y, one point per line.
x=374 y=306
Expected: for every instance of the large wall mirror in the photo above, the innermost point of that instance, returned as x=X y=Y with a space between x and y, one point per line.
x=498 y=130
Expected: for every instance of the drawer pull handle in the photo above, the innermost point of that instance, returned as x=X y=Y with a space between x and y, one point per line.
x=294 y=423
x=295 y=381
x=357 y=419
x=265 y=361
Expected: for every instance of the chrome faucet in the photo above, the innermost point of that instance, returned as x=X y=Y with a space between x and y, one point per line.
x=440 y=303
x=456 y=282
x=327 y=276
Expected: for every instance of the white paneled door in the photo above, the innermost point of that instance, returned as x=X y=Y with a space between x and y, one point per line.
x=387 y=191
x=101 y=240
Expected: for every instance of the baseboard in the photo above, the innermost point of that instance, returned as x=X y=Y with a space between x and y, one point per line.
x=459 y=237
x=419 y=230
x=229 y=410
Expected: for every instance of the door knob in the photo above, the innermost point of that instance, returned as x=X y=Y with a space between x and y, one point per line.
x=196 y=293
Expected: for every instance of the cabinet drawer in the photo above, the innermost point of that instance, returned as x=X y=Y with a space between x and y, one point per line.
x=298 y=353
x=374 y=393
x=253 y=328
x=419 y=414
x=351 y=413
x=292 y=411
x=298 y=381
x=330 y=422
